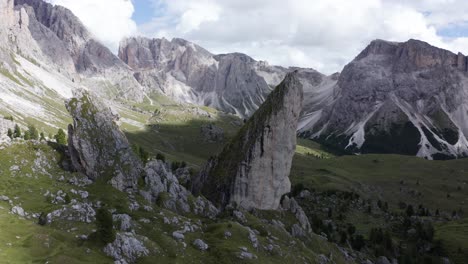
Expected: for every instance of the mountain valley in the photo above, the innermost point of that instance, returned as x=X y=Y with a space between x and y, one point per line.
x=168 y=153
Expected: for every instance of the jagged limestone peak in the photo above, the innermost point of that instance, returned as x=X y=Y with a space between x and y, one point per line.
x=97 y=146
x=253 y=169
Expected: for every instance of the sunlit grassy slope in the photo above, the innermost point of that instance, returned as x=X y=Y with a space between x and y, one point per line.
x=174 y=130
x=393 y=178
x=437 y=185
x=28 y=170
x=163 y=126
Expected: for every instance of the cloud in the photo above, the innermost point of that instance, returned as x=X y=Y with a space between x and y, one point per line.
x=323 y=34
x=108 y=20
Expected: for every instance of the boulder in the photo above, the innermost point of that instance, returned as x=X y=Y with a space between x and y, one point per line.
x=18 y=210
x=200 y=244
x=126 y=248
x=178 y=235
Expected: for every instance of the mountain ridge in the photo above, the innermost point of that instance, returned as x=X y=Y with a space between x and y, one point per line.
x=412 y=88
x=232 y=82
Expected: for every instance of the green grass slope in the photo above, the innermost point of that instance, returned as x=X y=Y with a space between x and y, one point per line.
x=29 y=170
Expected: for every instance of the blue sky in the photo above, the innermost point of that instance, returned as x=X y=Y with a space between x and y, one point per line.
x=454 y=30
x=144 y=11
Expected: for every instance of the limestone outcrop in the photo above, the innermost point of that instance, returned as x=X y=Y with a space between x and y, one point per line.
x=405 y=98
x=66 y=42
x=253 y=169
x=234 y=83
x=97 y=146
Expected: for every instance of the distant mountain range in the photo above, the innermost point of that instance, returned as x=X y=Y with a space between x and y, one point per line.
x=406 y=98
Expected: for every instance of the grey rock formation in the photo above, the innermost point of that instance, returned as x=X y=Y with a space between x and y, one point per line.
x=124 y=222
x=405 y=98
x=212 y=133
x=4 y=126
x=6 y=13
x=303 y=227
x=126 y=248
x=253 y=169
x=200 y=244
x=76 y=211
x=97 y=147
x=245 y=254
x=162 y=187
x=382 y=260
x=189 y=73
x=234 y=83
x=67 y=43
x=18 y=210
x=178 y=236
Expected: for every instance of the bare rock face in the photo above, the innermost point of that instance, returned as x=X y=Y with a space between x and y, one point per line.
x=162 y=187
x=97 y=146
x=66 y=42
x=252 y=171
x=127 y=248
x=4 y=126
x=212 y=133
x=6 y=13
x=233 y=83
x=62 y=22
x=405 y=98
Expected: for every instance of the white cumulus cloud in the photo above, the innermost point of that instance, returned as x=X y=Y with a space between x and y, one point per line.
x=108 y=20
x=323 y=34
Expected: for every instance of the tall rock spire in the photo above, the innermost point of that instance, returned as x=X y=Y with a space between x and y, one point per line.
x=253 y=169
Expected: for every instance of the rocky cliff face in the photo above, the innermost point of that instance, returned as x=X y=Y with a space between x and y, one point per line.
x=406 y=98
x=253 y=169
x=6 y=13
x=97 y=147
x=65 y=41
x=233 y=83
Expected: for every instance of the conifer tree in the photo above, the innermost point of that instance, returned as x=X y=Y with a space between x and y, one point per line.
x=33 y=133
x=17 y=132
x=61 y=137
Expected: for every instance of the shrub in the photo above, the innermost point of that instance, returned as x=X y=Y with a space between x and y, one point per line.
x=17 y=132
x=296 y=189
x=67 y=198
x=10 y=133
x=141 y=153
x=161 y=157
x=358 y=242
x=42 y=219
x=27 y=135
x=409 y=210
x=351 y=229
x=33 y=133
x=105 y=229
x=343 y=237
x=61 y=137
x=175 y=165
